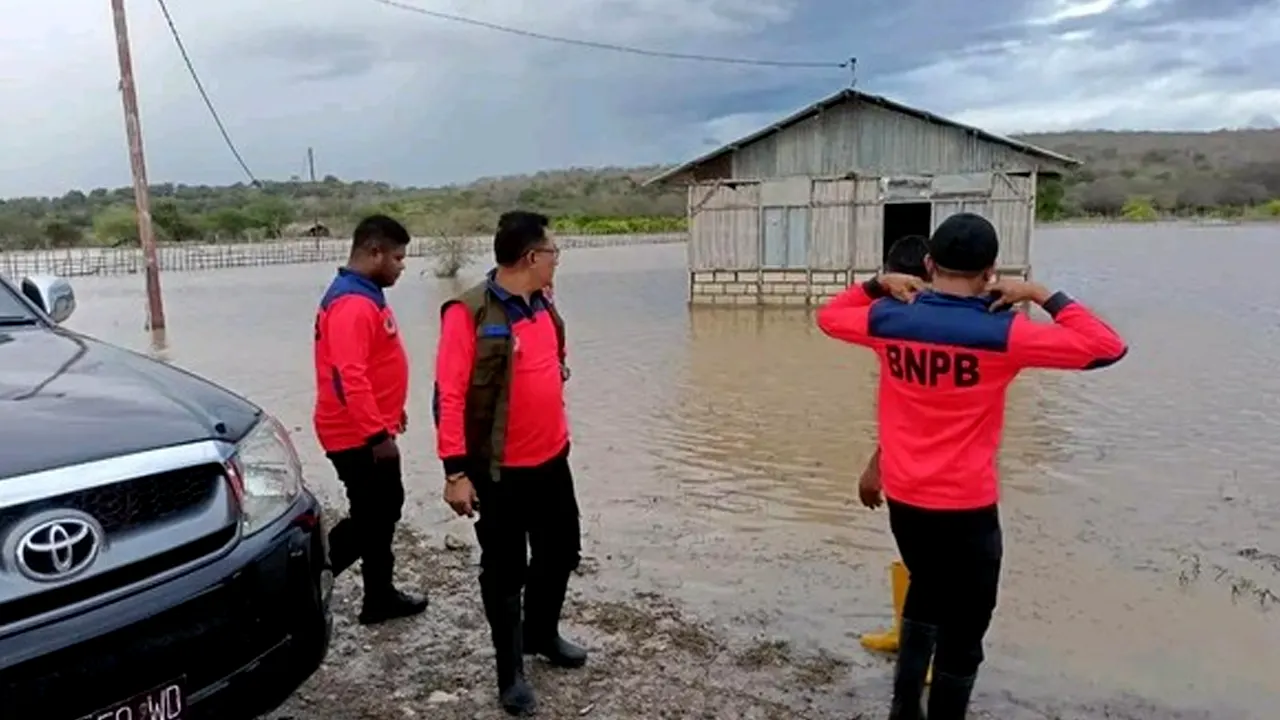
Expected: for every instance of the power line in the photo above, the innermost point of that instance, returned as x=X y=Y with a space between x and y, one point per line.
x=226 y=137
x=610 y=46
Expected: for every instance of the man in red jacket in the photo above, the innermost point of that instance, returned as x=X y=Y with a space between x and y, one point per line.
x=362 y=383
x=503 y=438
x=946 y=360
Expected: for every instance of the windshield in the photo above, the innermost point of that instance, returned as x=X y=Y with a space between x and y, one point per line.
x=12 y=306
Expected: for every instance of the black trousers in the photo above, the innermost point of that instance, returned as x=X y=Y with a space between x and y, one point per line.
x=953 y=557
x=375 y=497
x=530 y=537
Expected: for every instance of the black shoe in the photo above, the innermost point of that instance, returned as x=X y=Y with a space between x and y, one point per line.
x=543 y=602
x=915 y=652
x=518 y=698
x=391 y=605
x=949 y=696
x=558 y=652
x=506 y=628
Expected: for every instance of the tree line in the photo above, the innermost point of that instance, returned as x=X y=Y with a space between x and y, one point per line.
x=587 y=201
x=1134 y=176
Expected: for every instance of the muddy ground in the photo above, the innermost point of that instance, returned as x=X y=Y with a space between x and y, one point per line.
x=650 y=659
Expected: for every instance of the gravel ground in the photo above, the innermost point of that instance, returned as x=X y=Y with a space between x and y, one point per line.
x=649 y=660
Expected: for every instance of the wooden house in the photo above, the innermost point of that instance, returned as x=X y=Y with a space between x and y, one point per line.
x=793 y=213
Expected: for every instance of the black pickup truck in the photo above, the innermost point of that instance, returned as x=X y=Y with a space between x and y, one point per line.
x=160 y=555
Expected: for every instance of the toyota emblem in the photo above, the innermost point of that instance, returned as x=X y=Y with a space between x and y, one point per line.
x=59 y=548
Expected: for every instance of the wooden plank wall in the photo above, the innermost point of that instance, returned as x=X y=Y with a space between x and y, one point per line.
x=831 y=232
x=847 y=220
x=1010 y=207
x=1013 y=212
x=724 y=226
x=868 y=225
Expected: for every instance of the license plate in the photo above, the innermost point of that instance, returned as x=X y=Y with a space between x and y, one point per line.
x=163 y=702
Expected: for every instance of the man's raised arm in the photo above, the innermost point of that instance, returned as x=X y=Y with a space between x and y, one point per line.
x=844 y=316
x=1076 y=340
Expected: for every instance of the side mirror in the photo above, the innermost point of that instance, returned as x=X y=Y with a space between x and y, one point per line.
x=51 y=294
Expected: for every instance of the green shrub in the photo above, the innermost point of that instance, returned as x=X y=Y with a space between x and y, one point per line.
x=1139 y=209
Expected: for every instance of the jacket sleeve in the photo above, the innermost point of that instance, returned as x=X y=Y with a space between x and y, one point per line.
x=564 y=349
x=455 y=356
x=350 y=327
x=845 y=316
x=1077 y=339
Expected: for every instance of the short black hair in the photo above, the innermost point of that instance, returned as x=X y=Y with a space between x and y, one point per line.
x=964 y=244
x=519 y=231
x=378 y=232
x=906 y=255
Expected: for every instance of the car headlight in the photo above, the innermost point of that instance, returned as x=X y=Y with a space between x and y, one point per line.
x=266 y=474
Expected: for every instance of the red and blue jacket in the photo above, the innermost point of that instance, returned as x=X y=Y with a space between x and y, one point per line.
x=537 y=425
x=945 y=364
x=362 y=371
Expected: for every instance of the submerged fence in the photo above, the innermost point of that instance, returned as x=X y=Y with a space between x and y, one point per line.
x=78 y=262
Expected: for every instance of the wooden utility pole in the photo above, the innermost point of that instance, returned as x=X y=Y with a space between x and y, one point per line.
x=315 y=217
x=138 y=164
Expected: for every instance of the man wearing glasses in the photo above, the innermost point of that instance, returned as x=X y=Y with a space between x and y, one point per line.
x=503 y=437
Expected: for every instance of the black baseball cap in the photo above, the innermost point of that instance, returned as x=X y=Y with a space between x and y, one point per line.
x=965 y=243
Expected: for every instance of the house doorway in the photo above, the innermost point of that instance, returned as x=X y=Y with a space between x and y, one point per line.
x=902 y=219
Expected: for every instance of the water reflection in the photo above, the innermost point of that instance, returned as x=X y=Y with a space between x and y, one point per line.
x=81 y=349
x=159 y=344
x=717 y=449
x=764 y=420
x=774 y=419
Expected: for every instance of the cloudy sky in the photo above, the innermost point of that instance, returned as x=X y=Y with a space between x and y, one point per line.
x=385 y=94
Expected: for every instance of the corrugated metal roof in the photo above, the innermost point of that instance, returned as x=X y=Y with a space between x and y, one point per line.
x=847 y=95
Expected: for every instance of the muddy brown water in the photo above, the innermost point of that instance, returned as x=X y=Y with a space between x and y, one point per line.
x=716 y=452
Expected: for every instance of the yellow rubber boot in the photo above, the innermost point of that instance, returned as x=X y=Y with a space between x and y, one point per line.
x=887 y=641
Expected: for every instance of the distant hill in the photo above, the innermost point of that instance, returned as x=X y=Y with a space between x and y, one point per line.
x=1111 y=151
x=1179 y=172
x=1224 y=172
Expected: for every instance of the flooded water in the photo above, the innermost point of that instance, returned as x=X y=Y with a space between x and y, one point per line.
x=717 y=452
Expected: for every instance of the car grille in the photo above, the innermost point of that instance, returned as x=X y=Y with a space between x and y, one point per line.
x=203 y=639
x=97 y=585
x=122 y=506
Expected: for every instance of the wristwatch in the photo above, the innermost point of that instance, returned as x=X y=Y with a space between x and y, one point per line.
x=455 y=477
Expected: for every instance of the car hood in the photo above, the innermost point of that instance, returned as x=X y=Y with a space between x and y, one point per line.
x=67 y=399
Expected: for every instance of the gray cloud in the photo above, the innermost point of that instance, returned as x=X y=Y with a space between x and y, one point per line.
x=315 y=53
x=386 y=94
